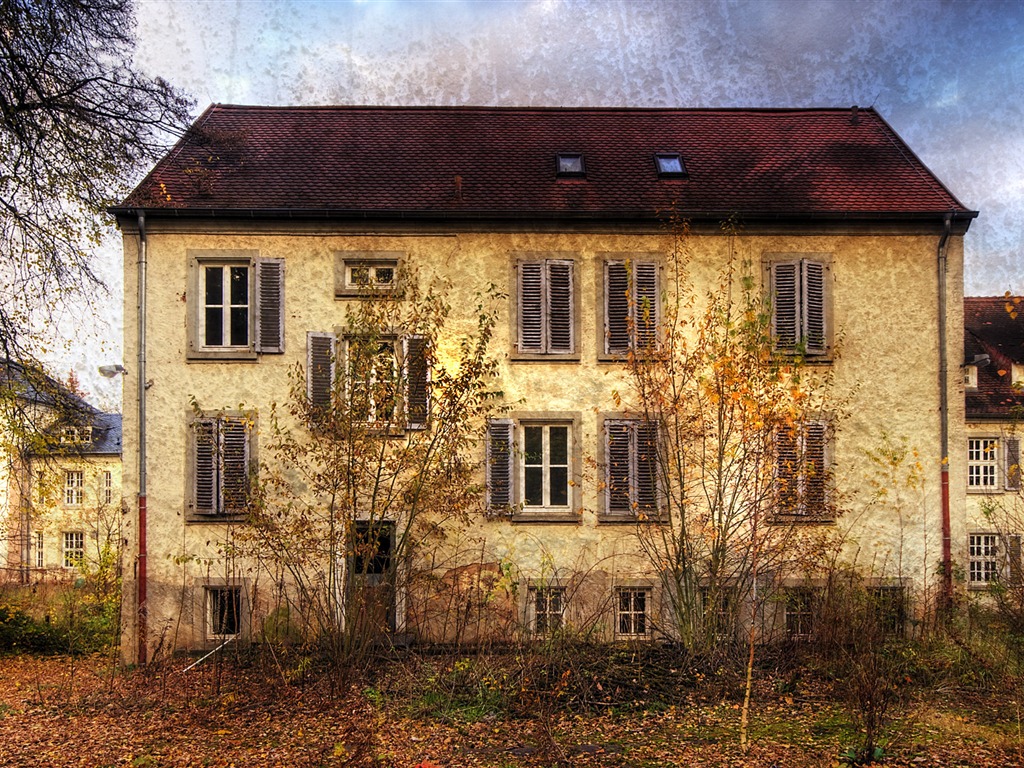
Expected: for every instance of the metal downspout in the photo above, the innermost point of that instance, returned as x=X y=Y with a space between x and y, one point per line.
x=947 y=546
x=141 y=563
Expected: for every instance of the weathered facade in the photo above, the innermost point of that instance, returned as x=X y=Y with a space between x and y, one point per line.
x=564 y=212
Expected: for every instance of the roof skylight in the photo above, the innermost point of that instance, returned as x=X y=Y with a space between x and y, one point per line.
x=571 y=164
x=670 y=165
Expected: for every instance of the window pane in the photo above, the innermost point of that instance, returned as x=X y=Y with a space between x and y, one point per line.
x=559 y=486
x=214 y=286
x=534 y=445
x=559 y=445
x=239 y=326
x=534 y=491
x=240 y=286
x=214 y=327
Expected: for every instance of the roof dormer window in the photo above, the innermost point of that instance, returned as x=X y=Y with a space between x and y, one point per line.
x=970 y=377
x=670 y=165
x=570 y=164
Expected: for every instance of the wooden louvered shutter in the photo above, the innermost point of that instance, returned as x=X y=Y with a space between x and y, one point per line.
x=206 y=492
x=787 y=470
x=647 y=466
x=815 y=468
x=234 y=465
x=270 y=306
x=645 y=310
x=1012 y=477
x=320 y=367
x=560 y=307
x=785 y=304
x=616 y=309
x=1011 y=543
x=813 y=306
x=417 y=372
x=531 y=306
x=619 y=473
x=500 y=464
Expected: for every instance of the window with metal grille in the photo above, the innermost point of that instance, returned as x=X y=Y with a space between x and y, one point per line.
x=548 y=604
x=801 y=604
x=631 y=612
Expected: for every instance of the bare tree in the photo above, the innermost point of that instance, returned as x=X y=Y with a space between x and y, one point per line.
x=77 y=121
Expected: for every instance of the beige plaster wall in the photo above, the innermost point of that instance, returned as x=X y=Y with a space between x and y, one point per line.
x=884 y=309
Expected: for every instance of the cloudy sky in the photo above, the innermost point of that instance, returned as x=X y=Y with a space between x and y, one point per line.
x=948 y=76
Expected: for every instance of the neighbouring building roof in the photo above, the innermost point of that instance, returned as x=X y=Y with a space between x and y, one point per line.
x=500 y=163
x=991 y=328
x=28 y=382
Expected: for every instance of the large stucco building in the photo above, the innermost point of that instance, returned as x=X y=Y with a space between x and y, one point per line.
x=252 y=236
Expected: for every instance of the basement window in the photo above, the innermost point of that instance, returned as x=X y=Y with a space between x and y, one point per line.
x=670 y=165
x=571 y=164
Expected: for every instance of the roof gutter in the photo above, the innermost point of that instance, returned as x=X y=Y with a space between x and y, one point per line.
x=947 y=547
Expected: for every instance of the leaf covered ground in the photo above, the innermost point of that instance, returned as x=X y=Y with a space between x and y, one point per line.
x=62 y=711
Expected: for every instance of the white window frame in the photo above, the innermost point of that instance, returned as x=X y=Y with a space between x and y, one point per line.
x=108 y=486
x=983 y=558
x=264 y=305
x=348 y=286
x=74 y=485
x=506 y=466
x=73 y=548
x=546 y=465
x=76 y=436
x=983 y=455
x=970 y=377
x=631 y=622
x=38 y=541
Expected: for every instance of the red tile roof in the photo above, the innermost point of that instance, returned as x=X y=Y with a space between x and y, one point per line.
x=989 y=328
x=497 y=162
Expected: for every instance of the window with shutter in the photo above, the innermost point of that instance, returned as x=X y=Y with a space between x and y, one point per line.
x=500 y=459
x=631 y=467
x=387 y=378
x=417 y=381
x=221 y=463
x=270 y=306
x=1012 y=469
x=546 y=307
x=321 y=349
x=799 y=304
x=236 y=305
x=802 y=470
x=631 y=306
